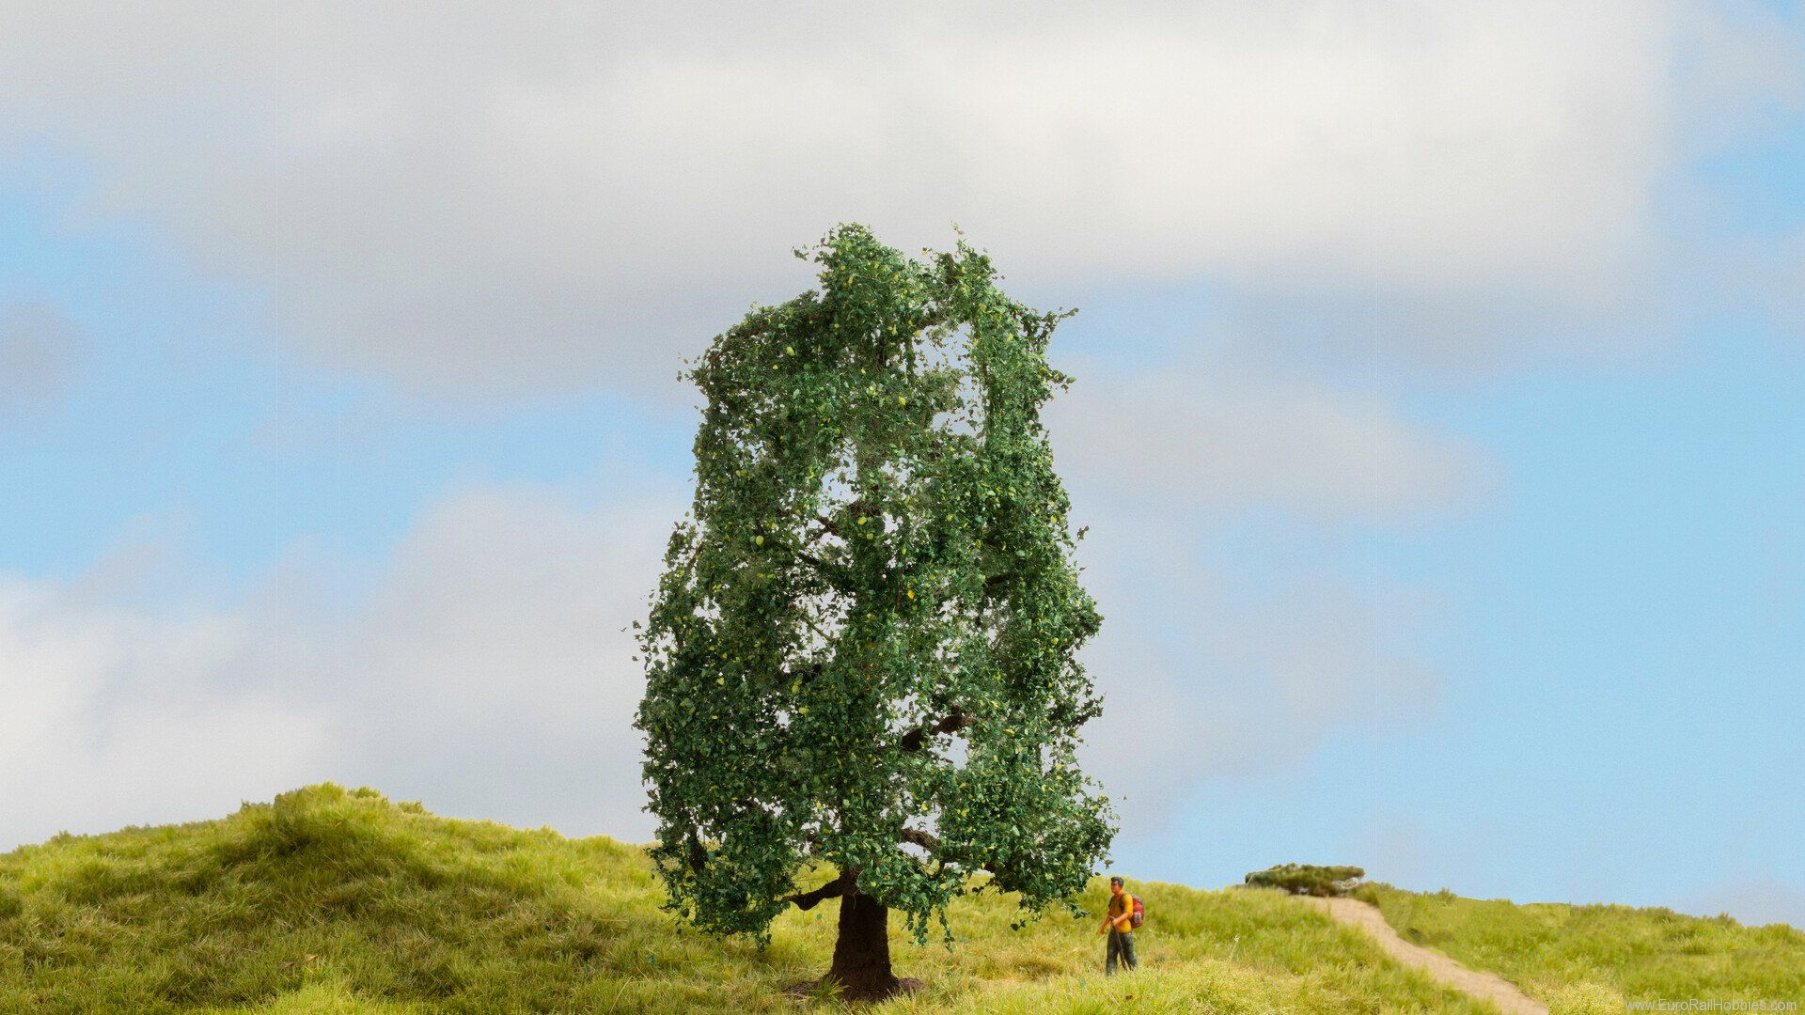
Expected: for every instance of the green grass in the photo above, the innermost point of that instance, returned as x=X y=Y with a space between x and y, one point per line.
x=331 y=900
x=1596 y=958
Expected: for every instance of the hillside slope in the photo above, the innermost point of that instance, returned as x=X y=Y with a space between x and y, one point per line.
x=337 y=901
x=1586 y=958
x=331 y=900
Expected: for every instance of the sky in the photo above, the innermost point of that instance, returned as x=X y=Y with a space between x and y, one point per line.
x=1439 y=404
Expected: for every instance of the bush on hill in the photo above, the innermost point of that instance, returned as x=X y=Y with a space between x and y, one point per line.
x=1308 y=879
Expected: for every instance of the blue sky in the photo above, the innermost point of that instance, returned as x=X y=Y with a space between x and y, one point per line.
x=1437 y=422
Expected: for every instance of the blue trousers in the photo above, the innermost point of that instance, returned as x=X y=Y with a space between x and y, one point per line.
x=1120 y=943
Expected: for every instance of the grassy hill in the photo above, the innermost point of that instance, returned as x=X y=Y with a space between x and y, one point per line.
x=1596 y=958
x=331 y=900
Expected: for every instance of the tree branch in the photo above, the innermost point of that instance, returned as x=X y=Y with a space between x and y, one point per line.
x=832 y=574
x=832 y=890
x=926 y=840
x=806 y=675
x=955 y=721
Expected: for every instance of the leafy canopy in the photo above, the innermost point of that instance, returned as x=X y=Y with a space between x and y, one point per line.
x=861 y=652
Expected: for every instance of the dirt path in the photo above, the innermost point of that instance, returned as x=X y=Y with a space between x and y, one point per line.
x=1485 y=986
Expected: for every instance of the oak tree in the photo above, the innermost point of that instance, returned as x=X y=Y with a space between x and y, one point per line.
x=860 y=659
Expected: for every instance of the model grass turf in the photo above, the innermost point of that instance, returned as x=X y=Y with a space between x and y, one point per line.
x=339 y=901
x=1597 y=958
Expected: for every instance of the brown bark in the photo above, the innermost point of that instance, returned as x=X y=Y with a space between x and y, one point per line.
x=861 y=965
x=916 y=738
x=926 y=840
x=809 y=900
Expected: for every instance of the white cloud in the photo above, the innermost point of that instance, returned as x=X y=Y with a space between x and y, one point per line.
x=1197 y=436
x=1252 y=668
x=490 y=670
x=485 y=665
x=485 y=668
x=117 y=716
x=485 y=199
x=1231 y=680
x=1749 y=69
x=39 y=347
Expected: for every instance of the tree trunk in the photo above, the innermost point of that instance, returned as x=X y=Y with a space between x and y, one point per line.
x=862 y=953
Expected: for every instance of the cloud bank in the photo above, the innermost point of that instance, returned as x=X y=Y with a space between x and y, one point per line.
x=485 y=668
x=480 y=200
x=1194 y=437
x=485 y=665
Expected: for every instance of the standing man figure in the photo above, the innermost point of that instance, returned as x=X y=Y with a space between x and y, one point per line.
x=1119 y=923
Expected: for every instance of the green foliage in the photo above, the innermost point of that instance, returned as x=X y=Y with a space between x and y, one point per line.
x=1596 y=958
x=866 y=630
x=333 y=902
x=1308 y=879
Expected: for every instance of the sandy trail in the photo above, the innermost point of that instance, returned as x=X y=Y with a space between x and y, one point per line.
x=1485 y=986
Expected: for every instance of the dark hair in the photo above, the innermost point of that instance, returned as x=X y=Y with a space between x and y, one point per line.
x=1117 y=881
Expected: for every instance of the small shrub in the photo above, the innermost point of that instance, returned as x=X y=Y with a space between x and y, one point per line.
x=1308 y=879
